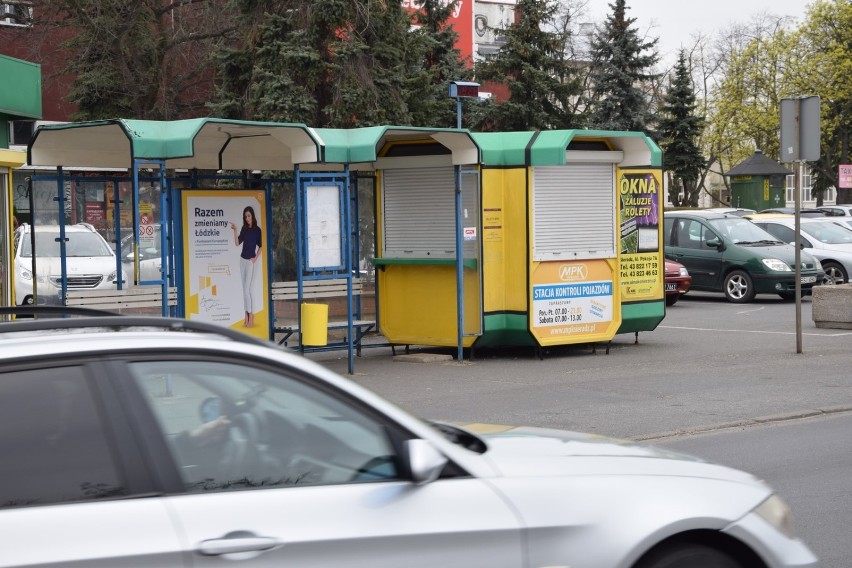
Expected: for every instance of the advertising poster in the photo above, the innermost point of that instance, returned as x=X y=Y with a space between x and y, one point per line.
x=640 y=216
x=573 y=302
x=225 y=259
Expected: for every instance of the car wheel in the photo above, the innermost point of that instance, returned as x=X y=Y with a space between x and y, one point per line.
x=739 y=288
x=688 y=555
x=672 y=300
x=834 y=273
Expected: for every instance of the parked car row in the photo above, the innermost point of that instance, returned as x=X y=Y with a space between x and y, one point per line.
x=742 y=253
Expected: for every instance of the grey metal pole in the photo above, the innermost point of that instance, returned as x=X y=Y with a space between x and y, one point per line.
x=798 y=223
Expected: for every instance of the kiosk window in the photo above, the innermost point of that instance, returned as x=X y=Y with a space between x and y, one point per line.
x=419 y=212
x=574 y=211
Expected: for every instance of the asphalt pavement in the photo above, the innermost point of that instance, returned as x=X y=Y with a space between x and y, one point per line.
x=709 y=365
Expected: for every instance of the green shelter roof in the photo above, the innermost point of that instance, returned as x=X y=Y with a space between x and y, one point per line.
x=550 y=147
x=363 y=145
x=203 y=143
x=503 y=148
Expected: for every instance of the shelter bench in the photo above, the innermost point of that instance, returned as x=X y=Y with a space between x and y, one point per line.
x=316 y=289
x=136 y=297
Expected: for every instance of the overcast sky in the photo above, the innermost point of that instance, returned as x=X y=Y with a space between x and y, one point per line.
x=676 y=21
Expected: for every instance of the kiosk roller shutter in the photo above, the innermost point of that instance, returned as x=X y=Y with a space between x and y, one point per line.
x=419 y=213
x=573 y=211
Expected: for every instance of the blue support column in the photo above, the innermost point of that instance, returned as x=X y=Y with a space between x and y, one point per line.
x=459 y=266
x=63 y=258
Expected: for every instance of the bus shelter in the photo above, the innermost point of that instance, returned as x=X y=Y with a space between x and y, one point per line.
x=191 y=184
x=182 y=199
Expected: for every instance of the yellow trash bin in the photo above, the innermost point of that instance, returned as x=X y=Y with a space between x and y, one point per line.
x=314 y=324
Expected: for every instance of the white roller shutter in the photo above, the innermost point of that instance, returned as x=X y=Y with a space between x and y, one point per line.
x=573 y=211
x=419 y=212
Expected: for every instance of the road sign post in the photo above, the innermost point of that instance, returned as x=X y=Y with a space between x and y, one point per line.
x=800 y=140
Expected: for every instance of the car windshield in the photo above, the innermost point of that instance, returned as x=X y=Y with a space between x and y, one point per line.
x=828 y=233
x=78 y=244
x=742 y=231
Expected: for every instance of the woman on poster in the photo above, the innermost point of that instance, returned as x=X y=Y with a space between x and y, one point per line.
x=251 y=240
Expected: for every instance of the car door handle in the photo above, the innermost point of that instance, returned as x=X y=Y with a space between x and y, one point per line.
x=226 y=545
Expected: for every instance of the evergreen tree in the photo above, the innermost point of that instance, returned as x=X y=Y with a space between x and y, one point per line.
x=679 y=130
x=435 y=63
x=146 y=59
x=621 y=64
x=542 y=83
x=326 y=63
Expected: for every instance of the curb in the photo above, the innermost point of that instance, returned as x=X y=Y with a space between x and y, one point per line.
x=761 y=420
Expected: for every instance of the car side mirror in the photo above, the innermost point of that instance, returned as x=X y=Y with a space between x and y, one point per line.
x=715 y=243
x=425 y=462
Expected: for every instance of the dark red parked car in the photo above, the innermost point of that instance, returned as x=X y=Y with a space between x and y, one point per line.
x=678 y=281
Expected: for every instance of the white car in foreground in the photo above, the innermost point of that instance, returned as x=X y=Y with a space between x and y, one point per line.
x=154 y=442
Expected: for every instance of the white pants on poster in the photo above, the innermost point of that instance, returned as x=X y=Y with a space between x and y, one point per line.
x=247 y=276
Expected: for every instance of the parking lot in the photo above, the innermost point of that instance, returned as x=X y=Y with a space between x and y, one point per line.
x=709 y=364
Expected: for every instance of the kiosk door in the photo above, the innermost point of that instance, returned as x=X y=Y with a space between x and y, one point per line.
x=471 y=247
x=431 y=236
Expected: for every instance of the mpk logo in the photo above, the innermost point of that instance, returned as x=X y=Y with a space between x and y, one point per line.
x=572 y=272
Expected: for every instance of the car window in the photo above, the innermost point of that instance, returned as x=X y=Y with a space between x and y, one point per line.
x=828 y=233
x=740 y=230
x=681 y=236
x=53 y=445
x=781 y=232
x=693 y=234
x=235 y=427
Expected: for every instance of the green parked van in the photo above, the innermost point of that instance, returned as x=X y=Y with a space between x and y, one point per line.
x=729 y=254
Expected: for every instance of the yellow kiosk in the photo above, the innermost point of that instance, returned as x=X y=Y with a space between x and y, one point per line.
x=562 y=242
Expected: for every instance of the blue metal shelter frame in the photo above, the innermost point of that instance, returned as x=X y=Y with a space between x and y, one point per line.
x=342 y=270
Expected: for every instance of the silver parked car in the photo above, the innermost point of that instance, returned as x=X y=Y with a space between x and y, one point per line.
x=826 y=241
x=132 y=441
